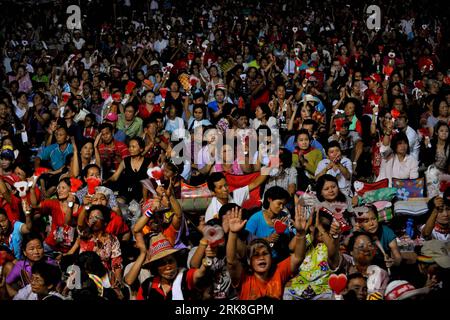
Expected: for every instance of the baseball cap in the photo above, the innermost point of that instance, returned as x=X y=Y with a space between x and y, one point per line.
x=7 y=154
x=374 y=76
x=154 y=63
x=436 y=251
x=112 y=117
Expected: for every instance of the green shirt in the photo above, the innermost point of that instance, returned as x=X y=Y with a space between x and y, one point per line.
x=132 y=130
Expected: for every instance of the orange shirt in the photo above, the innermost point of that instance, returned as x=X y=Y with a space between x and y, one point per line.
x=253 y=288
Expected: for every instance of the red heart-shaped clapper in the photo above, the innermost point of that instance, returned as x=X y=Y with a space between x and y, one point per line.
x=214 y=235
x=381 y=48
x=193 y=81
x=337 y=283
x=190 y=56
x=40 y=171
x=387 y=70
x=156 y=173
x=75 y=184
x=129 y=87
x=163 y=92
x=298 y=62
x=92 y=183
x=66 y=96
x=279 y=226
x=117 y=96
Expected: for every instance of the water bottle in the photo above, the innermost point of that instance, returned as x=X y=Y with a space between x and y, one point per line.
x=409 y=228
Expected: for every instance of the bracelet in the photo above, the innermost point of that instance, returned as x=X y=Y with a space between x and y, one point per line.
x=148 y=213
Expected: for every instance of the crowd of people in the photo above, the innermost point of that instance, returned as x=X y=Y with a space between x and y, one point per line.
x=314 y=163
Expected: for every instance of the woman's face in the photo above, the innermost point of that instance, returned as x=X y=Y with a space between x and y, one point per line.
x=134 y=148
x=99 y=199
x=443 y=133
x=370 y=222
x=443 y=217
x=34 y=251
x=303 y=141
x=63 y=190
x=395 y=91
x=167 y=267
x=87 y=150
x=4 y=224
x=363 y=250
x=281 y=92
x=213 y=72
x=20 y=173
x=349 y=109
x=150 y=98
x=88 y=122
x=443 y=109
x=5 y=163
x=23 y=99
x=129 y=113
x=330 y=190
x=227 y=154
x=305 y=113
x=334 y=153
x=219 y=96
x=174 y=87
x=276 y=206
x=402 y=148
x=198 y=114
x=261 y=261
x=95 y=221
x=38 y=285
x=259 y=113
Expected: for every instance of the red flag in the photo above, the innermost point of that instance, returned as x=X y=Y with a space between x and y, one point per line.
x=238 y=181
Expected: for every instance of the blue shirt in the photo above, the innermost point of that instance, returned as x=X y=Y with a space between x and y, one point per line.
x=290 y=145
x=54 y=154
x=15 y=241
x=258 y=226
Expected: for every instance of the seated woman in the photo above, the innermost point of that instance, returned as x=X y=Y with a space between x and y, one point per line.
x=227 y=160
x=381 y=234
x=305 y=157
x=436 y=151
x=438 y=222
x=93 y=237
x=198 y=117
x=20 y=274
x=174 y=125
x=337 y=166
x=88 y=155
x=263 y=116
x=396 y=161
x=168 y=281
x=261 y=276
x=262 y=223
x=286 y=177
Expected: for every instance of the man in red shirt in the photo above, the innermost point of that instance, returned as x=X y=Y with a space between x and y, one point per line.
x=373 y=94
x=111 y=151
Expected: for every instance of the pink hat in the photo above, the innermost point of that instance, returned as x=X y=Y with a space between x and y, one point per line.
x=112 y=117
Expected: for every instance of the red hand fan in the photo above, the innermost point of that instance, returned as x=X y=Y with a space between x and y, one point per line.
x=163 y=92
x=337 y=283
x=279 y=226
x=193 y=81
x=66 y=96
x=117 y=96
x=155 y=173
x=92 y=183
x=75 y=184
x=129 y=87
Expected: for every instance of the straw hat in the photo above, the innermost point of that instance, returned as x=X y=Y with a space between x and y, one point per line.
x=159 y=248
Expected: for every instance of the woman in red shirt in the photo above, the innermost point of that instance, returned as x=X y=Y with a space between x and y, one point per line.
x=148 y=107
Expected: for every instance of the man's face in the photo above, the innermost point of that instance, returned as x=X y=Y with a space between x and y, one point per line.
x=221 y=189
x=308 y=127
x=401 y=122
x=159 y=124
x=61 y=136
x=106 y=135
x=242 y=122
x=129 y=114
x=93 y=172
x=359 y=286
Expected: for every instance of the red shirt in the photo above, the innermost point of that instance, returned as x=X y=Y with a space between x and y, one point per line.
x=112 y=156
x=116 y=225
x=145 y=114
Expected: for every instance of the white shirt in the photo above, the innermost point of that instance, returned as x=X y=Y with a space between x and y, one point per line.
x=344 y=184
x=414 y=143
x=391 y=167
x=271 y=123
x=238 y=196
x=160 y=45
x=78 y=44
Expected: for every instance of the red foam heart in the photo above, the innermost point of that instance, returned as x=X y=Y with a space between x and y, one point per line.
x=92 y=183
x=387 y=70
x=193 y=81
x=163 y=92
x=298 y=62
x=129 y=87
x=66 y=96
x=190 y=56
x=75 y=184
x=157 y=174
x=279 y=226
x=337 y=283
x=117 y=96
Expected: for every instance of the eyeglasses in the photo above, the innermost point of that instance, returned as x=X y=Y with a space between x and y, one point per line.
x=365 y=246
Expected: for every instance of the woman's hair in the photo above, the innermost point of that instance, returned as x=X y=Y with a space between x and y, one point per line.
x=85 y=141
x=90 y=262
x=266 y=110
x=139 y=141
x=93 y=119
x=321 y=182
x=399 y=137
x=104 y=210
x=285 y=158
x=199 y=106
x=275 y=193
x=303 y=131
x=28 y=237
x=254 y=245
x=436 y=104
x=50 y=273
x=333 y=144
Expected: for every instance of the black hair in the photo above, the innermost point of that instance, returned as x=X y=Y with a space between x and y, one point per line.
x=321 y=182
x=139 y=140
x=303 y=131
x=399 y=137
x=275 y=193
x=90 y=262
x=333 y=144
x=312 y=122
x=251 y=250
x=213 y=178
x=436 y=104
x=106 y=213
x=266 y=110
x=154 y=116
x=106 y=125
x=227 y=207
x=50 y=273
x=354 y=236
x=356 y=275
x=28 y=237
x=89 y=166
x=285 y=158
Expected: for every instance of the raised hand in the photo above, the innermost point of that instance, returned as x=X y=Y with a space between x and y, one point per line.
x=235 y=222
x=301 y=222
